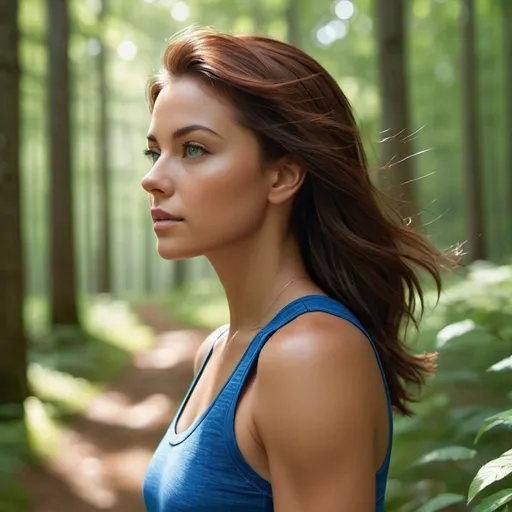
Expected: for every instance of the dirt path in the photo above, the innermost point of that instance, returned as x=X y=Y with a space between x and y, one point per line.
x=105 y=453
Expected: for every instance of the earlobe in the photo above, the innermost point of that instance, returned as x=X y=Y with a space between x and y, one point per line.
x=287 y=180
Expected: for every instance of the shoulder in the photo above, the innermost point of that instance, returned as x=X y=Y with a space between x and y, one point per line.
x=205 y=346
x=319 y=343
x=317 y=410
x=318 y=377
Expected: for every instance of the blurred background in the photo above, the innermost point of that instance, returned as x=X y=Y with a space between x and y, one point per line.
x=97 y=334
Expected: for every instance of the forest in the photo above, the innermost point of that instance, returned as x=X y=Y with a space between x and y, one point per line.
x=97 y=333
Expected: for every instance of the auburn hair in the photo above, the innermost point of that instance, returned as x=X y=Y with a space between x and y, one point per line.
x=355 y=245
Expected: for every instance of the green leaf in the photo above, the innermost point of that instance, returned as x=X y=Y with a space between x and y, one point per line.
x=504 y=364
x=494 y=501
x=453 y=331
x=491 y=472
x=451 y=453
x=502 y=418
x=440 y=502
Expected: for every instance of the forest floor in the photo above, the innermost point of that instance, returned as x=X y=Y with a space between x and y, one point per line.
x=105 y=453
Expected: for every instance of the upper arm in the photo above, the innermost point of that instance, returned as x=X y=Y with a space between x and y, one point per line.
x=205 y=346
x=317 y=410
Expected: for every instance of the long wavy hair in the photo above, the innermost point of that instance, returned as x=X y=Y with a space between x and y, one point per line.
x=355 y=245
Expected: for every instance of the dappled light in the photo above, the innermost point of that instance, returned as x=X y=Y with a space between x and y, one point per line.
x=344 y=9
x=99 y=334
x=174 y=348
x=113 y=408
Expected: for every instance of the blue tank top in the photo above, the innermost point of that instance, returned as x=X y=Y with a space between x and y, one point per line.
x=202 y=468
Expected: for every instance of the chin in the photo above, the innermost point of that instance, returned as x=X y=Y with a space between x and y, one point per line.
x=170 y=251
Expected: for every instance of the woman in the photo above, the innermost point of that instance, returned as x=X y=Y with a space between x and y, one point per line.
x=258 y=165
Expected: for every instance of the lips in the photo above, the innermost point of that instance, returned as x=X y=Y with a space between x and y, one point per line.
x=159 y=215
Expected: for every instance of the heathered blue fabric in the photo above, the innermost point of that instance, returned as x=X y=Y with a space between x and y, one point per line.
x=202 y=468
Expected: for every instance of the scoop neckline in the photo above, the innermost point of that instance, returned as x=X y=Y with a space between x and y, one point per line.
x=176 y=438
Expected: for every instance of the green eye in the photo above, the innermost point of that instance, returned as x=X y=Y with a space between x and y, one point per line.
x=192 y=150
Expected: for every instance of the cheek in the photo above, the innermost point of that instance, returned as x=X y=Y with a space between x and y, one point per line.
x=233 y=200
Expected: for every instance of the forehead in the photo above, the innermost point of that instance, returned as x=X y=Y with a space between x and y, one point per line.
x=185 y=100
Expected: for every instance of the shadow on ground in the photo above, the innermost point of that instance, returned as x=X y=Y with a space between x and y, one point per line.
x=105 y=453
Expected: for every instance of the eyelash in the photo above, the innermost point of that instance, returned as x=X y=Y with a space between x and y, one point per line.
x=151 y=153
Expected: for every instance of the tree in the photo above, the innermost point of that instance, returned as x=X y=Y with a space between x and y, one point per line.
x=259 y=17
x=471 y=147
x=180 y=276
x=104 y=260
x=397 y=147
x=506 y=16
x=63 y=306
x=292 y=17
x=13 y=346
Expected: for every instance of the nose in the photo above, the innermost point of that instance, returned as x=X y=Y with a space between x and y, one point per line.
x=157 y=181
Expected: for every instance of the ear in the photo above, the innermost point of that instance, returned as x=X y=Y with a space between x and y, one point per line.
x=286 y=179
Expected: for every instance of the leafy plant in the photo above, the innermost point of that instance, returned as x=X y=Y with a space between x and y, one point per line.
x=455 y=453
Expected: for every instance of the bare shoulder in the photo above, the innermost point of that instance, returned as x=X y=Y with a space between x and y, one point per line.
x=316 y=342
x=319 y=405
x=325 y=358
x=205 y=346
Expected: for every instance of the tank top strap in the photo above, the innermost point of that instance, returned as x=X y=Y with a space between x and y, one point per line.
x=334 y=307
x=283 y=317
x=306 y=304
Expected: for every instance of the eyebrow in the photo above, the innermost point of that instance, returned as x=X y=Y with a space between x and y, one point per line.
x=185 y=130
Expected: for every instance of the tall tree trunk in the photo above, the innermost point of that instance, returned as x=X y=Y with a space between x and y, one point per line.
x=292 y=17
x=180 y=274
x=397 y=147
x=507 y=54
x=104 y=260
x=63 y=306
x=13 y=346
x=471 y=146
x=259 y=17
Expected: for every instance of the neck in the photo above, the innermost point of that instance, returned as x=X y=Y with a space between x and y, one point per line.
x=253 y=273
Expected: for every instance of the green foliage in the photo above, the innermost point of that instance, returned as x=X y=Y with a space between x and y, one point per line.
x=502 y=418
x=14 y=452
x=67 y=369
x=201 y=304
x=68 y=366
x=491 y=472
x=441 y=502
x=453 y=453
x=494 y=501
x=436 y=456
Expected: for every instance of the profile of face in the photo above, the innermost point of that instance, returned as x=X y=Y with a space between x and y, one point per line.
x=208 y=187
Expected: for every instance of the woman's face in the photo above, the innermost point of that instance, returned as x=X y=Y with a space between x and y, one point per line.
x=206 y=186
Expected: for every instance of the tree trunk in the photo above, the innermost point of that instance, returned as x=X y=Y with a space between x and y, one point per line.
x=507 y=54
x=292 y=17
x=471 y=147
x=104 y=260
x=180 y=277
x=13 y=346
x=396 y=147
x=259 y=17
x=63 y=307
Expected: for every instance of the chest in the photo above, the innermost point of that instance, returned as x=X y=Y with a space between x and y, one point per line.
x=215 y=377
x=210 y=458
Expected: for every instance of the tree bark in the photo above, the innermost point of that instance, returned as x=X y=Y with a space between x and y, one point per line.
x=259 y=17
x=181 y=274
x=63 y=306
x=292 y=16
x=104 y=260
x=13 y=345
x=507 y=66
x=471 y=145
x=396 y=147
